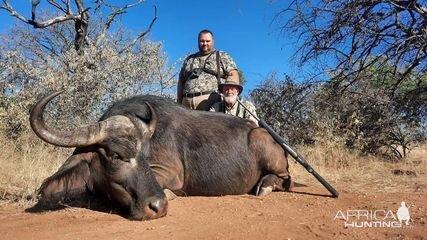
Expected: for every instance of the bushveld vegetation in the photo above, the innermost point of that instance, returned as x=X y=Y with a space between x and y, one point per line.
x=365 y=82
x=361 y=119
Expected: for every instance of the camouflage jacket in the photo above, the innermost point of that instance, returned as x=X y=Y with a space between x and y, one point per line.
x=236 y=110
x=200 y=72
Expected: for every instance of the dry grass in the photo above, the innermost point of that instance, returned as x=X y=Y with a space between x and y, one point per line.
x=351 y=172
x=26 y=163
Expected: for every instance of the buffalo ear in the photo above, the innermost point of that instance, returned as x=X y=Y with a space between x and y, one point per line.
x=152 y=123
x=70 y=182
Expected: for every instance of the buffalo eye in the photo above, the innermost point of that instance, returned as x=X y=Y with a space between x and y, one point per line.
x=117 y=157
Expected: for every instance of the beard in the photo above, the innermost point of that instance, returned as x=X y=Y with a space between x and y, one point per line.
x=230 y=99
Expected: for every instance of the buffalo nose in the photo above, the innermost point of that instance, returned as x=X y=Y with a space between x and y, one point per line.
x=152 y=208
x=158 y=205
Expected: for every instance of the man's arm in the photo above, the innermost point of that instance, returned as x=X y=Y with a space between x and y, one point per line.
x=229 y=65
x=181 y=82
x=179 y=89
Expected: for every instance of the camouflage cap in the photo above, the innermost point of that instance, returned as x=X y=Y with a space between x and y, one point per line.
x=231 y=81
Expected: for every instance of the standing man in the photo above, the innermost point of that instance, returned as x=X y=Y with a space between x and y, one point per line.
x=231 y=90
x=202 y=72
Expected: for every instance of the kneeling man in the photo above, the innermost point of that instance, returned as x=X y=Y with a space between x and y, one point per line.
x=231 y=90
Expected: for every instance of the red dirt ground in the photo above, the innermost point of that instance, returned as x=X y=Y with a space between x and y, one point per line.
x=304 y=215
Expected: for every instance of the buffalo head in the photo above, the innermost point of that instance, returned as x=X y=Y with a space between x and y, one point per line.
x=110 y=158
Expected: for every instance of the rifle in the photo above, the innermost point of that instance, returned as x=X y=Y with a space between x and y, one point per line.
x=292 y=152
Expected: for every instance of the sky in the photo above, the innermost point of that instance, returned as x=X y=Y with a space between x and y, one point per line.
x=243 y=28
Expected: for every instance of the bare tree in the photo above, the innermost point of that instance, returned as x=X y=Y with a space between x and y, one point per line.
x=76 y=12
x=110 y=65
x=353 y=35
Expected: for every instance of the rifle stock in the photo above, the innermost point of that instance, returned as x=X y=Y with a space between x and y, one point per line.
x=292 y=152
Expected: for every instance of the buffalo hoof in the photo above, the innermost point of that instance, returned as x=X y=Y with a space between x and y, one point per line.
x=265 y=191
x=271 y=182
x=169 y=194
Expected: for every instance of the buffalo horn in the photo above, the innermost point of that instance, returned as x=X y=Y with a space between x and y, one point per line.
x=83 y=136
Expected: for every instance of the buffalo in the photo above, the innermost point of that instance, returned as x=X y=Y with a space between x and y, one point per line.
x=146 y=149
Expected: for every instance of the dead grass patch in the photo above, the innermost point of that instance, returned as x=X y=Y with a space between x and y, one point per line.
x=25 y=163
x=352 y=172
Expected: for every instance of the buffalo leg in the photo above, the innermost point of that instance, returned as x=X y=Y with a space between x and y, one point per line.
x=272 y=162
x=169 y=173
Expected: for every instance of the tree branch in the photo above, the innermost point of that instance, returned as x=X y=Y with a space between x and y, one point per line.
x=141 y=35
